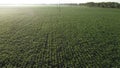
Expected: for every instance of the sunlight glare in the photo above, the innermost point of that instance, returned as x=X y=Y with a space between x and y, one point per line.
x=19 y=2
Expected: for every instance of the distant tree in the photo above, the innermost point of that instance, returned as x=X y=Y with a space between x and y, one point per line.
x=103 y=4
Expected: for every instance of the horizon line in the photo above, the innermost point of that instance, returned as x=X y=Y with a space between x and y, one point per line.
x=52 y=3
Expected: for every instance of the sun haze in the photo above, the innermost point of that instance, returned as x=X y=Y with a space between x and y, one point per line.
x=50 y=1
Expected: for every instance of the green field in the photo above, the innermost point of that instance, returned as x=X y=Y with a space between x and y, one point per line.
x=69 y=37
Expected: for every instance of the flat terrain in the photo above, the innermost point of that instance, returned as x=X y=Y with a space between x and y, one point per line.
x=65 y=37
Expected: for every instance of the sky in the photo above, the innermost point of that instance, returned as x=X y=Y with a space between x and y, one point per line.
x=51 y=1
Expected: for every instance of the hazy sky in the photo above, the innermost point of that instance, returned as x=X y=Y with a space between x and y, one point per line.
x=50 y=1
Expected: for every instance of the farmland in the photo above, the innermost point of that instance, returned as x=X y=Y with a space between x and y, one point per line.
x=65 y=37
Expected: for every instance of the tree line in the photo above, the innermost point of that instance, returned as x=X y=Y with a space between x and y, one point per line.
x=100 y=4
x=103 y=4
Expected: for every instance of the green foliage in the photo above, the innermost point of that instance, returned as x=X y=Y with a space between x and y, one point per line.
x=44 y=37
x=103 y=4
